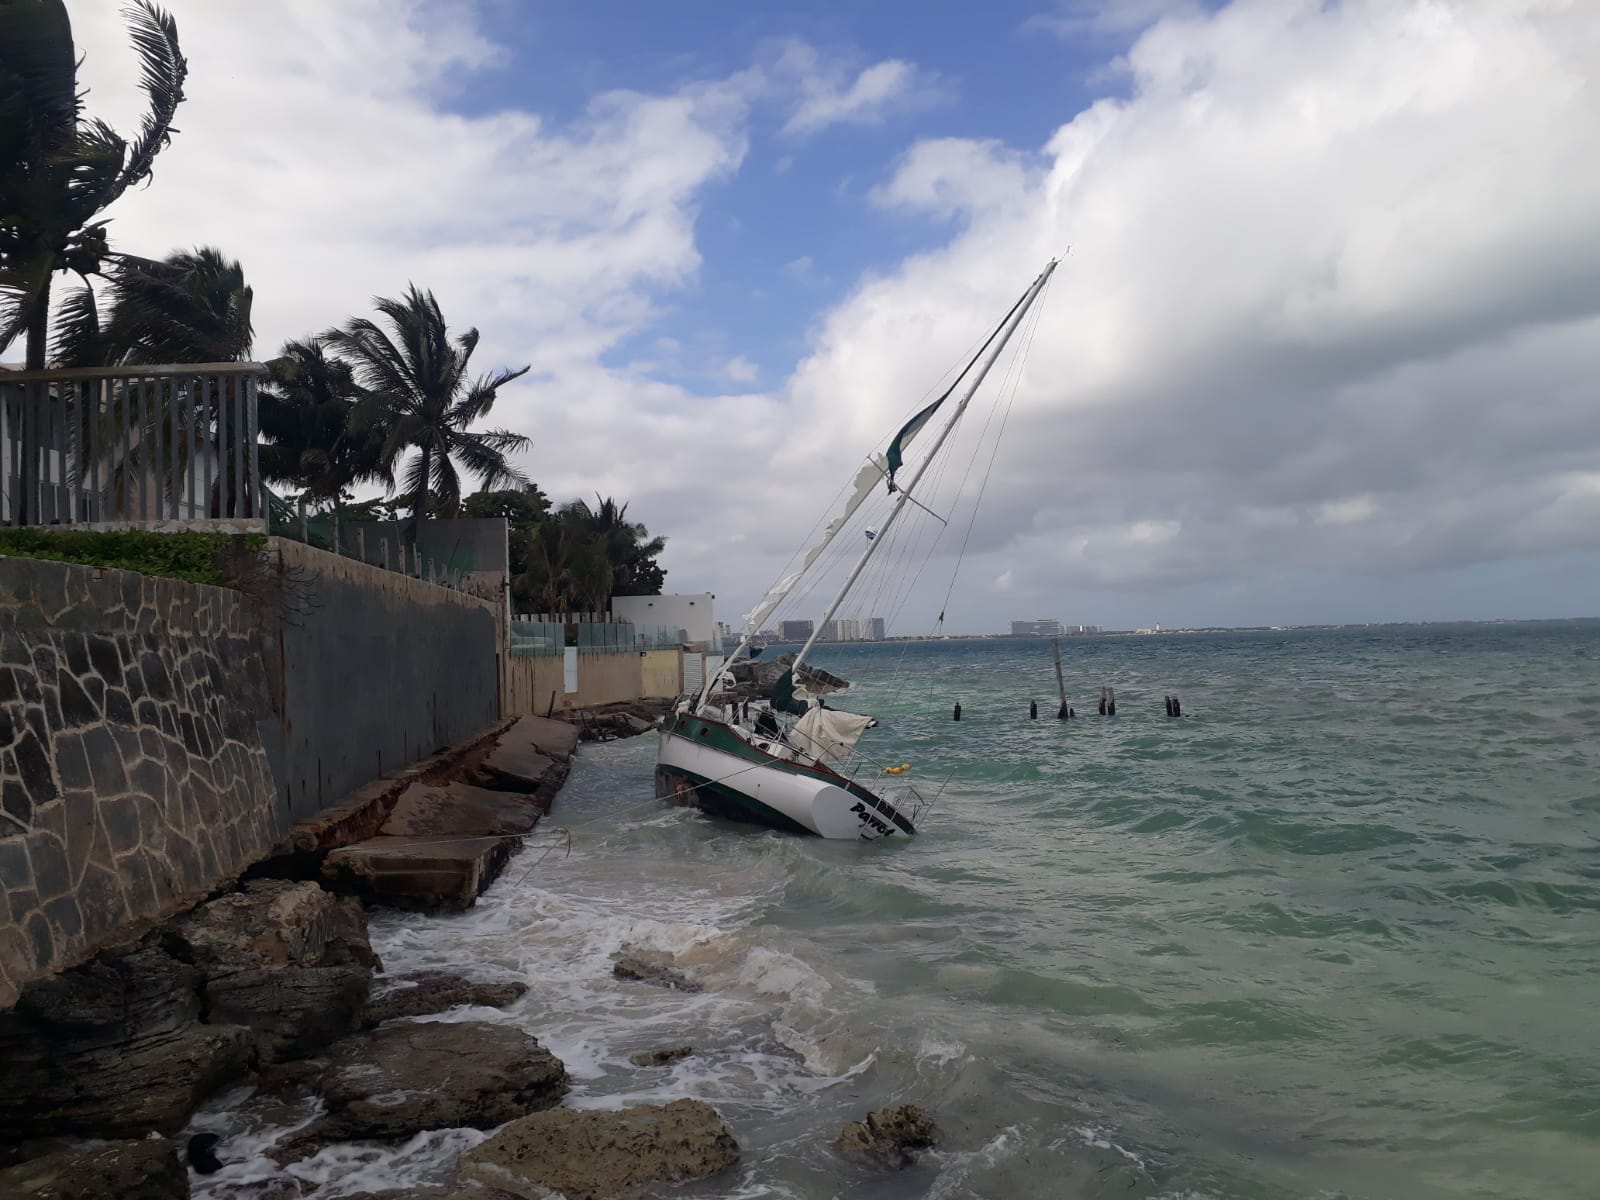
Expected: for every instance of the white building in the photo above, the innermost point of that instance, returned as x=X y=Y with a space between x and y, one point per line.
x=690 y=613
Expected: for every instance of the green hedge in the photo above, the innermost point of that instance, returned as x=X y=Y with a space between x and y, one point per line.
x=197 y=557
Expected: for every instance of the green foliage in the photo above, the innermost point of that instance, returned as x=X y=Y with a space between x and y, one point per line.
x=59 y=168
x=420 y=398
x=191 y=307
x=310 y=439
x=578 y=558
x=197 y=557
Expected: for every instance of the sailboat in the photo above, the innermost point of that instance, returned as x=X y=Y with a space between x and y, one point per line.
x=791 y=768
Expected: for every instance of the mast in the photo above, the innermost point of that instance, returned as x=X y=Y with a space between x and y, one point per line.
x=903 y=495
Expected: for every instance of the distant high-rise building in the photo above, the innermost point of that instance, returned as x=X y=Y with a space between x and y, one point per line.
x=849 y=629
x=830 y=632
x=1044 y=627
x=795 y=631
x=876 y=630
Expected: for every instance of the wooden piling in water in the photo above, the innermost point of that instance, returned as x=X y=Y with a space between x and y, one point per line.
x=1063 y=712
x=1033 y=710
x=956 y=714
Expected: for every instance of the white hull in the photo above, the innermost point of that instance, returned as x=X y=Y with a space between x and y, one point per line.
x=740 y=788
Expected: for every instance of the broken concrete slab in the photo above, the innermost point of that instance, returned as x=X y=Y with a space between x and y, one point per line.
x=460 y=810
x=555 y=738
x=420 y=872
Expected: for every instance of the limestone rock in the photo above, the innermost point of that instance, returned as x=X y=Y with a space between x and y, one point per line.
x=661 y=1057
x=598 y=1155
x=427 y=873
x=147 y=1169
x=887 y=1137
x=632 y=966
x=288 y=960
x=112 y=1049
x=426 y=992
x=460 y=810
x=408 y=1076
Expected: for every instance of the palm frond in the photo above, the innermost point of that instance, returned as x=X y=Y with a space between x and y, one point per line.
x=163 y=70
x=78 y=341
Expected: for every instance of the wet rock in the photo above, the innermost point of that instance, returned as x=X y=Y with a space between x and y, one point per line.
x=597 y=1155
x=288 y=960
x=425 y=992
x=408 y=1076
x=887 y=1137
x=632 y=966
x=460 y=810
x=661 y=1057
x=113 y=1049
x=147 y=1169
x=427 y=873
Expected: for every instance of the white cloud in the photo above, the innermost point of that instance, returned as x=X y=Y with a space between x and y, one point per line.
x=1337 y=264
x=1333 y=301
x=832 y=93
x=740 y=370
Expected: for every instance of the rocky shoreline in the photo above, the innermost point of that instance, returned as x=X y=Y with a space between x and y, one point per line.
x=273 y=985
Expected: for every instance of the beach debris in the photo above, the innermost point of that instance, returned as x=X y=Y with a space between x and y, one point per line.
x=887 y=1137
x=147 y=1169
x=426 y=992
x=642 y=970
x=408 y=1076
x=591 y=1155
x=661 y=1057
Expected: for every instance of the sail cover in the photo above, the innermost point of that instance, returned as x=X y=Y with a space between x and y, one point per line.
x=828 y=733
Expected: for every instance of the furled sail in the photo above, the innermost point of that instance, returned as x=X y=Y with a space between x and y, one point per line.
x=875 y=468
x=828 y=733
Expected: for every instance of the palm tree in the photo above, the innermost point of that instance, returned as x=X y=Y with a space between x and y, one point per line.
x=630 y=549
x=306 y=411
x=191 y=307
x=420 y=395
x=567 y=567
x=59 y=169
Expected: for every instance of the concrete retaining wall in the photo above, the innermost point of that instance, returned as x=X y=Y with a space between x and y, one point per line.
x=529 y=684
x=133 y=772
x=371 y=670
x=606 y=679
x=661 y=674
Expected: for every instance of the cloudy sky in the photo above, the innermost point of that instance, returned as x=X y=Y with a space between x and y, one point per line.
x=1326 y=345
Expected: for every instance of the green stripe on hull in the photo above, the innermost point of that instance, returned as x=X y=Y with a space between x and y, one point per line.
x=717 y=736
x=719 y=800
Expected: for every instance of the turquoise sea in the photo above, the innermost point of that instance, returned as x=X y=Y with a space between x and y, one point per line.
x=1334 y=933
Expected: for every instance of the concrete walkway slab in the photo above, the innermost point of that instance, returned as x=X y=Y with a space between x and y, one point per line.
x=420 y=872
x=460 y=810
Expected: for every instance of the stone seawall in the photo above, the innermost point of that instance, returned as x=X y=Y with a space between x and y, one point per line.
x=135 y=776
